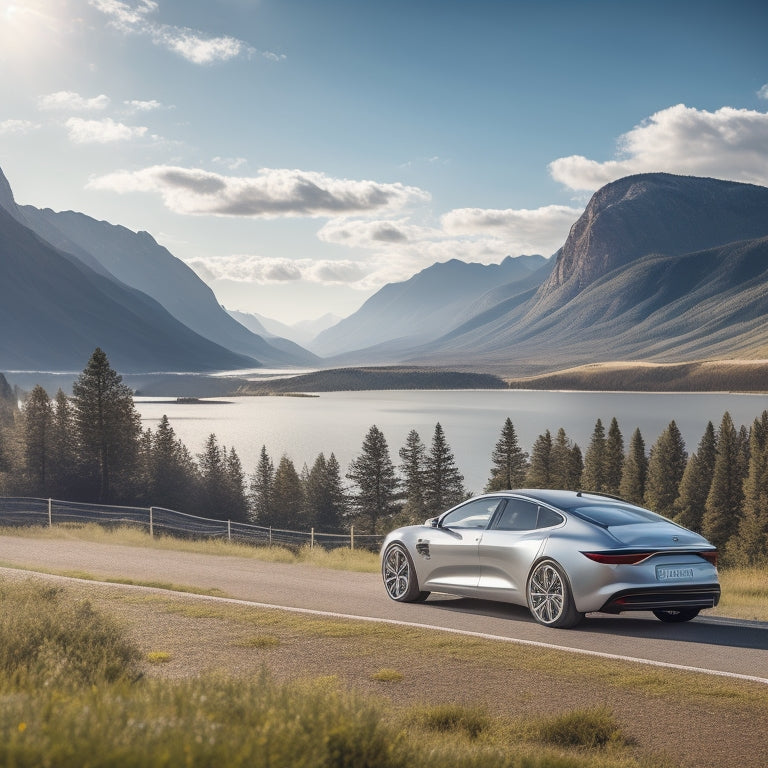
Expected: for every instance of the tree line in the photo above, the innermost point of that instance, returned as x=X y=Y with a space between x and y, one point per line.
x=91 y=447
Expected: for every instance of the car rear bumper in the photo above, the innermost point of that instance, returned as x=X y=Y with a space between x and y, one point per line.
x=654 y=598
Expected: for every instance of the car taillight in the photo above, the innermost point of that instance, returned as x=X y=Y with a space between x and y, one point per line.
x=710 y=555
x=618 y=558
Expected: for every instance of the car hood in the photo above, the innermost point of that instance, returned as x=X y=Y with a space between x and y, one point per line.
x=656 y=535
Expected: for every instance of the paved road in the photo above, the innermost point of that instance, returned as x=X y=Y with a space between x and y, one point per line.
x=721 y=645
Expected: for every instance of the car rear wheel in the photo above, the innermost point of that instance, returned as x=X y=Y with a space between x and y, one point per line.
x=399 y=575
x=676 y=615
x=549 y=596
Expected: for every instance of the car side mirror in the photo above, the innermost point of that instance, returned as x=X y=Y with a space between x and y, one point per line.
x=431 y=523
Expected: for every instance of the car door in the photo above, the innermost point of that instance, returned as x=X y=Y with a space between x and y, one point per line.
x=508 y=548
x=449 y=553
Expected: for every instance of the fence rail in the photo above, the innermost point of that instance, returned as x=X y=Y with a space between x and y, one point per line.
x=19 y=512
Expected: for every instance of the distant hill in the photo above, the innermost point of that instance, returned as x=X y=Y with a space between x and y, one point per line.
x=403 y=315
x=54 y=311
x=658 y=267
x=356 y=379
x=301 y=333
x=136 y=259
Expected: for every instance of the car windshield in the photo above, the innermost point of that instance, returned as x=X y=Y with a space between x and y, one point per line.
x=609 y=515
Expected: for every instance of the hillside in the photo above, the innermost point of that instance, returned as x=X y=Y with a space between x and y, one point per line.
x=658 y=268
x=54 y=310
x=138 y=261
x=403 y=315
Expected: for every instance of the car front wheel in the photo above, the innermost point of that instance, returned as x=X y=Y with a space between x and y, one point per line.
x=549 y=596
x=399 y=575
x=676 y=615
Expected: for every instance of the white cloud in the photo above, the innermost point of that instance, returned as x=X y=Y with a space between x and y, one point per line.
x=101 y=131
x=143 y=106
x=231 y=163
x=269 y=271
x=72 y=102
x=193 y=45
x=364 y=233
x=763 y=92
x=18 y=127
x=542 y=230
x=729 y=144
x=273 y=193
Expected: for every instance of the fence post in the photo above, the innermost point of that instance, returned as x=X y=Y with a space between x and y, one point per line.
x=50 y=515
x=151 y=524
x=351 y=536
x=312 y=538
x=270 y=535
x=229 y=530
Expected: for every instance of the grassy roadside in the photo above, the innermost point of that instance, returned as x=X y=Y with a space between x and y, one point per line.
x=744 y=590
x=67 y=702
x=198 y=682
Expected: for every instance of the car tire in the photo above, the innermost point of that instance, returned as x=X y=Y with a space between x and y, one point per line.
x=549 y=596
x=399 y=575
x=676 y=615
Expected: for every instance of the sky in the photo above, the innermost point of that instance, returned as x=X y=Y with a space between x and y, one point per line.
x=300 y=154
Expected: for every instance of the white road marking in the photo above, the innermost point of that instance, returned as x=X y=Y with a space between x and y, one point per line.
x=416 y=625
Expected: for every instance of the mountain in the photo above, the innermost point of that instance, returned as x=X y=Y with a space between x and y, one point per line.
x=138 y=261
x=658 y=267
x=406 y=314
x=54 y=310
x=302 y=332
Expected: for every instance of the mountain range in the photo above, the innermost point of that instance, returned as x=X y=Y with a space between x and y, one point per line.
x=72 y=283
x=659 y=267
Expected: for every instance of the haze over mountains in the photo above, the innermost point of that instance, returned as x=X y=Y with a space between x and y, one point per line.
x=73 y=283
x=659 y=267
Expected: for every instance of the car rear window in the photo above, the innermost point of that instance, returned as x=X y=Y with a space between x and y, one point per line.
x=616 y=514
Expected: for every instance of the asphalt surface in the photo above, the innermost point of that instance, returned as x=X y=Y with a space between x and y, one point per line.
x=723 y=646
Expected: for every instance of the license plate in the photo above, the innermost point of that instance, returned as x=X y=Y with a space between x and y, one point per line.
x=674 y=573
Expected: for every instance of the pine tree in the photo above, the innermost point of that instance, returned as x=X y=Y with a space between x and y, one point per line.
x=726 y=494
x=540 y=468
x=748 y=547
x=324 y=495
x=262 y=489
x=666 y=465
x=287 y=498
x=412 y=470
x=565 y=463
x=696 y=482
x=38 y=438
x=444 y=486
x=614 y=458
x=236 y=497
x=509 y=461
x=108 y=427
x=634 y=470
x=593 y=478
x=66 y=478
x=375 y=500
x=213 y=480
x=172 y=477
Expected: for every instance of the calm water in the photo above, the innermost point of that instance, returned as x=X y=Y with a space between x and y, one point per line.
x=302 y=427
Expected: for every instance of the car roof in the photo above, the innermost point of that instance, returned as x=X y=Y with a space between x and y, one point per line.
x=562 y=499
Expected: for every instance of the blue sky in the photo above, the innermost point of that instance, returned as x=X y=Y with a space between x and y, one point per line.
x=299 y=154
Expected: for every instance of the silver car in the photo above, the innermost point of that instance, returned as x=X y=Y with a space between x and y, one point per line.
x=561 y=553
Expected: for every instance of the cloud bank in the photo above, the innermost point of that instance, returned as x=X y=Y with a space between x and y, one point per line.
x=193 y=45
x=727 y=144
x=272 y=193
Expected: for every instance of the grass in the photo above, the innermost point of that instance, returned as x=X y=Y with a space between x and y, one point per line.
x=341 y=558
x=70 y=696
x=744 y=593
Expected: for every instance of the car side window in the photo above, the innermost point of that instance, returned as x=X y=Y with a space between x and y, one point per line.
x=518 y=515
x=473 y=514
x=547 y=518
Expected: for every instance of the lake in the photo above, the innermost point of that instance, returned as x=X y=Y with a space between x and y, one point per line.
x=302 y=427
